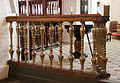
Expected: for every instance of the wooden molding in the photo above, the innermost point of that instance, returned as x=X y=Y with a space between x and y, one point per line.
x=81 y=17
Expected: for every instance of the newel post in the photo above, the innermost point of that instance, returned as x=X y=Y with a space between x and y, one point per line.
x=104 y=56
x=94 y=47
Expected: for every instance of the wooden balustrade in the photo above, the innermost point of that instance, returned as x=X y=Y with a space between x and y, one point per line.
x=40 y=7
x=99 y=59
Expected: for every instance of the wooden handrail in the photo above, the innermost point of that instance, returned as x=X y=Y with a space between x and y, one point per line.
x=81 y=17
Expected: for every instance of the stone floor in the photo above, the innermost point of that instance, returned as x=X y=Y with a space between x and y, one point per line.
x=113 y=55
x=113 y=66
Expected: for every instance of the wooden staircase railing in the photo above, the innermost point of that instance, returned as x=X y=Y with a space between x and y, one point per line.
x=99 y=59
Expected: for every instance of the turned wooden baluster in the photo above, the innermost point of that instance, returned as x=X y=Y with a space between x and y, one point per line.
x=42 y=43
x=71 y=32
x=11 y=44
x=18 y=45
x=60 y=38
x=97 y=44
x=25 y=37
x=96 y=38
x=94 y=48
x=102 y=44
x=82 y=58
x=100 y=39
x=51 y=56
x=33 y=45
x=104 y=57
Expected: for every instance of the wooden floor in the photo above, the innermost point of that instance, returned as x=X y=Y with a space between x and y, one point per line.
x=11 y=80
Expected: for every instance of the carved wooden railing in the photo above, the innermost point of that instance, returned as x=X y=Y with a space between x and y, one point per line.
x=40 y=7
x=99 y=59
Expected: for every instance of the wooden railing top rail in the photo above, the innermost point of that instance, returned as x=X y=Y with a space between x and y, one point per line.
x=81 y=17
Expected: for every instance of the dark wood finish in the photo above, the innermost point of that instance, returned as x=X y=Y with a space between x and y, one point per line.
x=82 y=6
x=113 y=26
x=81 y=17
x=11 y=80
x=22 y=3
x=35 y=73
x=77 y=42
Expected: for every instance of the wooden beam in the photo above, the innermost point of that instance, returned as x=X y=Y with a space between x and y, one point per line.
x=81 y=17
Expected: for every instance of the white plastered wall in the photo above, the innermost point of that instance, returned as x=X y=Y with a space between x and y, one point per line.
x=4 y=31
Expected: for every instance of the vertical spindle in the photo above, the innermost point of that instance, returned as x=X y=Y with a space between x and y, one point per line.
x=104 y=57
x=60 y=38
x=25 y=37
x=51 y=56
x=11 y=44
x=42 y=43
x=31 y=10
x=71 y=32
x=33 y=46
x=94 y=47
x=82 y=58
x=18 y=45
x=37 y=7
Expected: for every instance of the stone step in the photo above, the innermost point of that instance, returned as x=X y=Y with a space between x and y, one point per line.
x=4 y=71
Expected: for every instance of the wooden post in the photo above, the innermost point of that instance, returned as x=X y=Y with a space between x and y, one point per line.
x=11 y=44
x=51 y=56
x=42 y=43
x=31 y=8
x=60 y=5
x=43 y=5
x=71 y=32
x=60 y=38
x=82 y=58
x=18 y=45
x=33 y=39
x=104 y=57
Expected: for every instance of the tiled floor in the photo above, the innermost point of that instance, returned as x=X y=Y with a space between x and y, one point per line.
x=113 y=55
